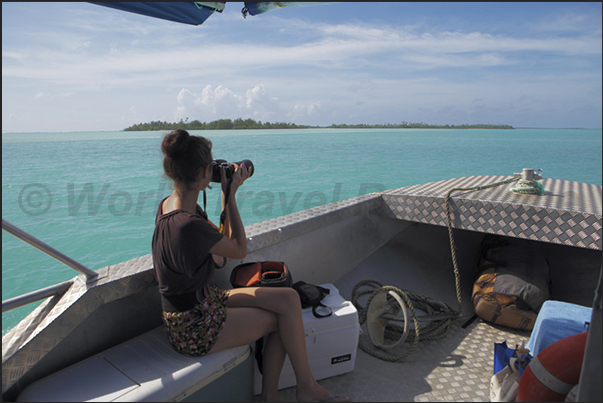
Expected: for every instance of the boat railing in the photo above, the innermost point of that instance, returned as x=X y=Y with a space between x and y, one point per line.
x=57 y=289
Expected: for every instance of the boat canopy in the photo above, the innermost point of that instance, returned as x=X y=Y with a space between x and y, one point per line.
x=195 y=13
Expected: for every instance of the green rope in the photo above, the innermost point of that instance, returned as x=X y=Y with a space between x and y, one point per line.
x=525 y=186
x=457 y=275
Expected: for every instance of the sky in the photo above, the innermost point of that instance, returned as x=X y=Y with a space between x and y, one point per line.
x=83 y=67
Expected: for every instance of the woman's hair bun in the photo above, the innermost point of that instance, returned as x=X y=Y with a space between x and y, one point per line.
x=175 y=143
x=185 y=156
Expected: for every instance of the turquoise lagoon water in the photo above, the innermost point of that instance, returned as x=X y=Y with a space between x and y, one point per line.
x=93 y=195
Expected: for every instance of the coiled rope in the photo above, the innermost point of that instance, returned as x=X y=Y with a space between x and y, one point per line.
x=435 y=329
x=432 y=331
x=528 y=187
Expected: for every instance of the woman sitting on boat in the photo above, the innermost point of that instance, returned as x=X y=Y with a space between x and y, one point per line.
x=201 y=318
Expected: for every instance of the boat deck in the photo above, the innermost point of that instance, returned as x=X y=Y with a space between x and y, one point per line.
x=457 y=367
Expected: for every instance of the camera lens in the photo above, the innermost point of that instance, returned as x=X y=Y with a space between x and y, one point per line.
x=218 y=165
x=249 y=165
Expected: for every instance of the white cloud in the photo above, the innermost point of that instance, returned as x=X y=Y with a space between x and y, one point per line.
x=343 y=46
x=261 y=105
x=223 y=103
x=306 y=110
x=187 y=103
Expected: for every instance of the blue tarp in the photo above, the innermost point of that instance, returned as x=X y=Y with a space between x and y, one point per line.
x=195 y=13
x=184 y=12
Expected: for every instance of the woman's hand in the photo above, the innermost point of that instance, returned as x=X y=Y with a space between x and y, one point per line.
x=234 y=244
x=240 y=174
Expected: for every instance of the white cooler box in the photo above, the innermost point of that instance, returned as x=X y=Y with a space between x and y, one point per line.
x=331 y=342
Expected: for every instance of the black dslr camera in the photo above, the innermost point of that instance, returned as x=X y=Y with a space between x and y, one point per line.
x=218 y=165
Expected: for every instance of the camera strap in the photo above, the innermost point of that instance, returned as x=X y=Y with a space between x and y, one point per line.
x=204 y=202
x=223 y=215
x=221 y=223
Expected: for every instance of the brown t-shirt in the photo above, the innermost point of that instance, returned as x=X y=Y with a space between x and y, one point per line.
x=180 y=248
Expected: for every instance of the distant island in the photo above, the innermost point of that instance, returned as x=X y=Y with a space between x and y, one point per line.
x=240 y=124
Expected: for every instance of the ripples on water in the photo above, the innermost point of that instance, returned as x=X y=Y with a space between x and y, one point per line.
x=105 y=186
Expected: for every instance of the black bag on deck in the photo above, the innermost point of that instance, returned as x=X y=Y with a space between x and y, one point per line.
x=312 y=295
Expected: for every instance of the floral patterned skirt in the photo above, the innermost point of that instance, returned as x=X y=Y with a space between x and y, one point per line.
x=194 y=332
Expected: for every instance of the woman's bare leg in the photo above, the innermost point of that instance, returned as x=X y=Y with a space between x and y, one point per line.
x=285 y=304
x=273 y=360
x=244 y=326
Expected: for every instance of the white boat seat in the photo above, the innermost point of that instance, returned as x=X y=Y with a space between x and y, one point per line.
x=145 y=368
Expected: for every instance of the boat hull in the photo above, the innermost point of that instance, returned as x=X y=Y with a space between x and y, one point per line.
x=398 y=237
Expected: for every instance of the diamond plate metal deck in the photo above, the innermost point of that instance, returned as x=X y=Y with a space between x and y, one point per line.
x=568 y=214
x=449 y=369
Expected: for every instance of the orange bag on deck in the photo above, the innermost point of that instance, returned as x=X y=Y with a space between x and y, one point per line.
x=513 y=283
x=261 y=274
